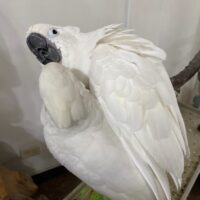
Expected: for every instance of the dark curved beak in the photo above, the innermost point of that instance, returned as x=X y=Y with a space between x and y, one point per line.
x=43 y=49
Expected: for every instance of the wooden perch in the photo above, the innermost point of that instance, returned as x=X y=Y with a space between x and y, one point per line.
x=185 y=75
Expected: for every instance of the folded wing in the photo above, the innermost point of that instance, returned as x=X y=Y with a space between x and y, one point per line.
x=139 y=103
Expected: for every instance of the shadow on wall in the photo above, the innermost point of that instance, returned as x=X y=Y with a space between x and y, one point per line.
x=19 y=76
x=10 y=111
x=196 y=44
x=12 y=134
x=7 y=154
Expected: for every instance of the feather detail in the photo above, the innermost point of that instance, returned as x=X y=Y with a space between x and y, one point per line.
x=60 y=96
x=122 y=38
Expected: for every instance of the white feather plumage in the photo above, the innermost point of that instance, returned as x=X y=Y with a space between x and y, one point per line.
x=124 y=135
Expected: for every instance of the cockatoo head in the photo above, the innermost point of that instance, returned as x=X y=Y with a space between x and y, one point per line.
x=53 y=43
x=64 y=45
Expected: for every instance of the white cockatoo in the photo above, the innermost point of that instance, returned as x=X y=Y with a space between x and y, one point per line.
x=110 y=113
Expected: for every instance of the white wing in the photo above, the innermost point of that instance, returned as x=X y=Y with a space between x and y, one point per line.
x=138 y=100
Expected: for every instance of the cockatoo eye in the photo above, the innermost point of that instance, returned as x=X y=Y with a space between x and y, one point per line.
x=53 y=32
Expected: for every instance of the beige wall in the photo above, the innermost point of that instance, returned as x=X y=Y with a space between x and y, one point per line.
x=173 y=25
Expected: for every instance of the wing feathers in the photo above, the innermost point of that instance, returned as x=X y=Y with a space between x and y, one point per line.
x=142 y=110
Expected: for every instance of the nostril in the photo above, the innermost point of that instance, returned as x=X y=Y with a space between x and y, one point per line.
x=42 y=51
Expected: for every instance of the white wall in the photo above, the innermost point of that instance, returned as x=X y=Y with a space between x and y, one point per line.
x=19 y=98
x=172 y=25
